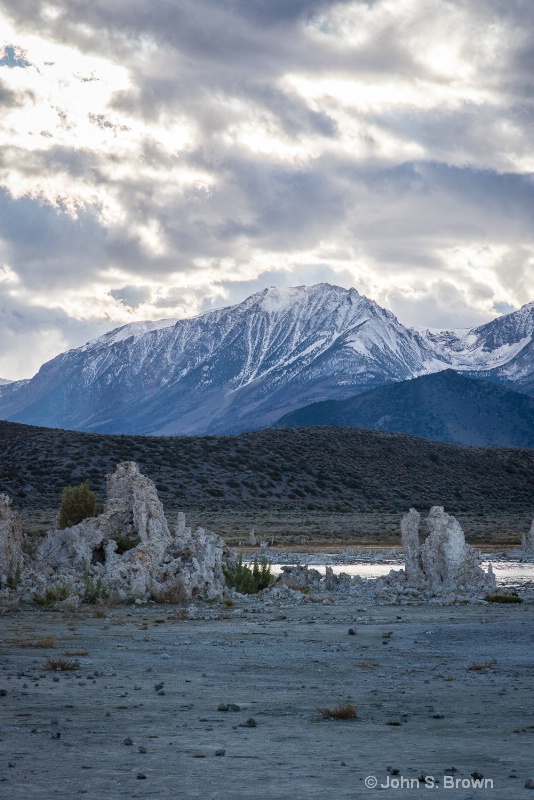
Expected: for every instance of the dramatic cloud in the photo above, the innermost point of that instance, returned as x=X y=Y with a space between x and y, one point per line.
x=158 y=160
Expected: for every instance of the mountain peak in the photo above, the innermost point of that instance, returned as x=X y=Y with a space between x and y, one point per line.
x=244 y=366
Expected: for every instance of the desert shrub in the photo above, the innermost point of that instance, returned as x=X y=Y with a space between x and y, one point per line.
x=28 y=547
x=51 y=595
x=13 y=575
x=341 y=711
x=173 y=595
x=476 y=666
x=126 y=542
x=77 y=503
x=501 y=597
x=243 y=579
x=94 y=589
x=61 y=665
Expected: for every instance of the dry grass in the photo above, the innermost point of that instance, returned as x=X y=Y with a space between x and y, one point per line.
x=61 y=665
x=173 y=595
x=475 y=666
x=71 y=653
x=341 y=711
x=51 y=595
x=100 y=613
x=44 y=642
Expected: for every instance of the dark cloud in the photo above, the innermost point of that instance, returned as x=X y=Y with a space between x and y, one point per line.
x=7 y=97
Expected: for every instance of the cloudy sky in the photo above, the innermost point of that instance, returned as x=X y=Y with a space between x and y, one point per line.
x=161 y=159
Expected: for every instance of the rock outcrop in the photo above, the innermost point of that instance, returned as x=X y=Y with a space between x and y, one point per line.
x=129 y=551
x=443 y=563
x=11 y=555
x=527 y=543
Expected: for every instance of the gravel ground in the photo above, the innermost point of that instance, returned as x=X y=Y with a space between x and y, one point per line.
x=139 y=717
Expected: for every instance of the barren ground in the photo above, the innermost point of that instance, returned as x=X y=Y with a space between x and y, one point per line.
x=421 y=710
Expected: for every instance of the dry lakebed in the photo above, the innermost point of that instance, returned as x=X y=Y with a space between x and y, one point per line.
x=224 y=702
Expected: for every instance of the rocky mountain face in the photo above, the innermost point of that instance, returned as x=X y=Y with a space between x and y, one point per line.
x=245 y=366
x=444 y=406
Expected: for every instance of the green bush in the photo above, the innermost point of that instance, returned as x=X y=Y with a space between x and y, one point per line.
x=501 y=597
x=243 y=579
x=126 y=542
x=52 y=595
x=13 y=575
x=77 y=503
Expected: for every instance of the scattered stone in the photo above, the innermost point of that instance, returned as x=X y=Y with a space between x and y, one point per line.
x=141 y=749
x=250 y=723
x=159 y=686
x=477 y=776
x=128 y=741
x=352 y=631
x=220 y=752
x=529 y=784
x=141 y=776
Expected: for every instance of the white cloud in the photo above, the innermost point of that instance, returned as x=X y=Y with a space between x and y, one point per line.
x=158 y=162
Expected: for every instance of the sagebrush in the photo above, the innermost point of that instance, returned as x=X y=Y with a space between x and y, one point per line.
x=245 y=580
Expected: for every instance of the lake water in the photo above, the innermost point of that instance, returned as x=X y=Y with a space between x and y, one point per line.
x=506 y=572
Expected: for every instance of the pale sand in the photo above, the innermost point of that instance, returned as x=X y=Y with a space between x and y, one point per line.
x=278 y=671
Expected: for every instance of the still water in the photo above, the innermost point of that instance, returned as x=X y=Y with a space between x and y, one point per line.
x=506 y=572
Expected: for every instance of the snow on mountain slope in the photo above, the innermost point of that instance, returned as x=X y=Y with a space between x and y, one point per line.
x=501 y=349
x=244 y=366
x=128 y=330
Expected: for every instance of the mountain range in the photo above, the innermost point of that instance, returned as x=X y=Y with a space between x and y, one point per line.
x=444 y=406
x=245 y=366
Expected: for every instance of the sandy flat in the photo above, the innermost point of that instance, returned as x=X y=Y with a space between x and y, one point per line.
x=278 y=665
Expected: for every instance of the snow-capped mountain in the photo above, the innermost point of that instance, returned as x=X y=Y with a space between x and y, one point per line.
x=243 y=367
x=501 y=350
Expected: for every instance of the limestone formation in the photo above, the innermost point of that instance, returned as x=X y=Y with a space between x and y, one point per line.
x=410 y=544
x=129 y=550
x=527 y=542
x=443 y=563
x=11 y=555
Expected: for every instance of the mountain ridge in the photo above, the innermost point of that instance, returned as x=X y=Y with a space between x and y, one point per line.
x=278 y=479
x=243 y=367
x=445 y=406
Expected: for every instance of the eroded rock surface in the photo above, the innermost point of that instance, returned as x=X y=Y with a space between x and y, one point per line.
x=527 y=543
x=444 y=562
x=11 y=555
x=129 y=551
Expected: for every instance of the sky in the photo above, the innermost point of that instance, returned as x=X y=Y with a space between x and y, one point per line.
x=158 y=160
